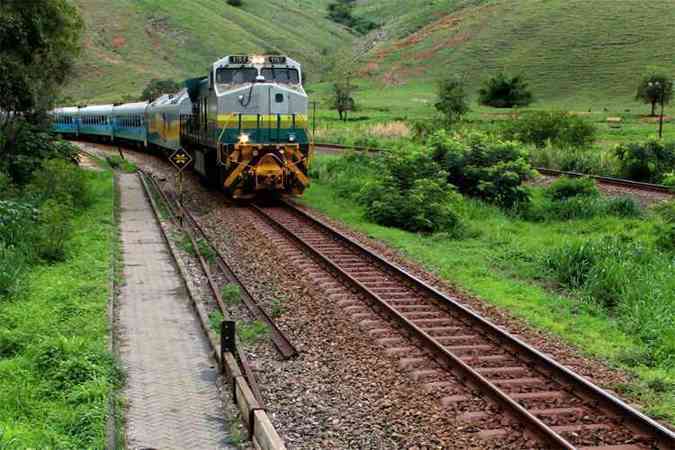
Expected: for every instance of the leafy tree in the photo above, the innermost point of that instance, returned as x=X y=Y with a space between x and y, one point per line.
x=452 y=99
x=653 y=88
x=235 y=2
x=503 y=91
x=343 y=74
x=341 y=12
x=39 y=41
x=156 y=88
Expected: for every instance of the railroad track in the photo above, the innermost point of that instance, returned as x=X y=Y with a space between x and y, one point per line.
x=610 y=181
x=182 y=218
x=440 y=342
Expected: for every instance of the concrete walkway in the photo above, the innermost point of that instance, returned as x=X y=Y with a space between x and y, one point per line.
x=171 y=380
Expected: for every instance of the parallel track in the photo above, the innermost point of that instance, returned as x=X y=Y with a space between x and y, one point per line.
x=610 y=181
x=441 y=341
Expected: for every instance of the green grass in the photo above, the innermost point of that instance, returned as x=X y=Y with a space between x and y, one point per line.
x=251 y=332
x=501 y=263
x=56 y=373
x=129 y=42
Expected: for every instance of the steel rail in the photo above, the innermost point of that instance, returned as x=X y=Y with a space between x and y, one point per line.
x=280 y=340
x=243 y=359
x=635 y=420
x=622 y=182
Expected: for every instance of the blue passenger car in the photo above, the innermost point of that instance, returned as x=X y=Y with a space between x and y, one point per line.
x=130 y=122
x=97 y=120
x=66 y=121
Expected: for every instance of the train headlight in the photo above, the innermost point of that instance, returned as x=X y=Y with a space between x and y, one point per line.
x=292 y=137
x=258 y=59
x=244 y=138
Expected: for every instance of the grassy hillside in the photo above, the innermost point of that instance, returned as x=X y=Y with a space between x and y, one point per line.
x=577 y=53
x=129 y=42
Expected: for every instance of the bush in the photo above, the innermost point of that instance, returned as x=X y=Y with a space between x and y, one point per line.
x=16 y=221
x=669 y=179
x=502 y=91
x=564 y=188
x=483 y=166
x=556 y=127
x=665 y=230
x=411 y=193
x=579 y=207
x=61 y=181
x=629 y=280
x=649 y=161
x=31 y=147
x=12 y=263
x=54 y=229
x=452 y=99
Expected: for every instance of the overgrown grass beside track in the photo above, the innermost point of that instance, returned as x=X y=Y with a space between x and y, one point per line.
x=56 y=373
x=516 y=263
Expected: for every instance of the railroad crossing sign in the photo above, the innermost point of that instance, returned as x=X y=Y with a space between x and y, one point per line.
x=180 y=159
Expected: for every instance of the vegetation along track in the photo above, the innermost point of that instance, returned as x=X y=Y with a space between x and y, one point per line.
x=609 y=181
x=439 y=341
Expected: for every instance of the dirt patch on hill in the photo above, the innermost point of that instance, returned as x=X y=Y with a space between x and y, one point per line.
x=119 y=42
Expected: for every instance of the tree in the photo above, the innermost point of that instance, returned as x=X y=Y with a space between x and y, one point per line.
x=39 y=41
x=452 y=99
x=156 y=88
x=342 y=74
x=502 y=91
x=654 y=88
x=234 y=2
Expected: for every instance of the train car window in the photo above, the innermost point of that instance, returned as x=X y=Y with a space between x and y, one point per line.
x=285 y=76
x=236 y=76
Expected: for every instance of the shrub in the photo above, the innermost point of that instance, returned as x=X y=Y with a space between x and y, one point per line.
x=12 y=263
x=649 y=161
x=31 y=147
x=623 y=206
x=16 y=221
x=54 y=230
x=665 y=236
x=502 y=91
x=627 y=278
x=665 y=230
x=564 y=188
x=483 y=166
x=117 y=162
x=556 y=127
x=411 y=193
x=452 y=99
x=347 y=174
x=61 y=181
x=669 y=179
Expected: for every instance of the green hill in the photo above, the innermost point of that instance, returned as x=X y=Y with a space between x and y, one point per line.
x=578 y=54
x=129 y=42
x=575 y=53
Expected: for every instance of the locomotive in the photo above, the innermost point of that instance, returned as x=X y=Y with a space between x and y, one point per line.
x=245 y=125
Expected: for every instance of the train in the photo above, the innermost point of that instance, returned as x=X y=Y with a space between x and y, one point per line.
x=245 y=125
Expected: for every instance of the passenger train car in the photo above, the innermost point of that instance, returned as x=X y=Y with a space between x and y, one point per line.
x=245 y=125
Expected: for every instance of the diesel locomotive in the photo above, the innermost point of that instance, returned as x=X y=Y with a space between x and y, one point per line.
x=245 y=125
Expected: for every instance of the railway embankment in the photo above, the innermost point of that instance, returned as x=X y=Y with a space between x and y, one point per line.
x=597 y=283
x=56 y=368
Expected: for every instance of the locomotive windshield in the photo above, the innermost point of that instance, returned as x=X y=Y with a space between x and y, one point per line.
x=236 y=76
x=285 y=76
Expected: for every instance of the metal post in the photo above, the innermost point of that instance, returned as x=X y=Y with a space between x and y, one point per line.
x=228 y=342
x=314 y=121
x=179 y=189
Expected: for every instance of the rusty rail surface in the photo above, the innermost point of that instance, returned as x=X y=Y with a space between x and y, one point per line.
x=243 y=359
x=625 y=426
x=621 y=182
